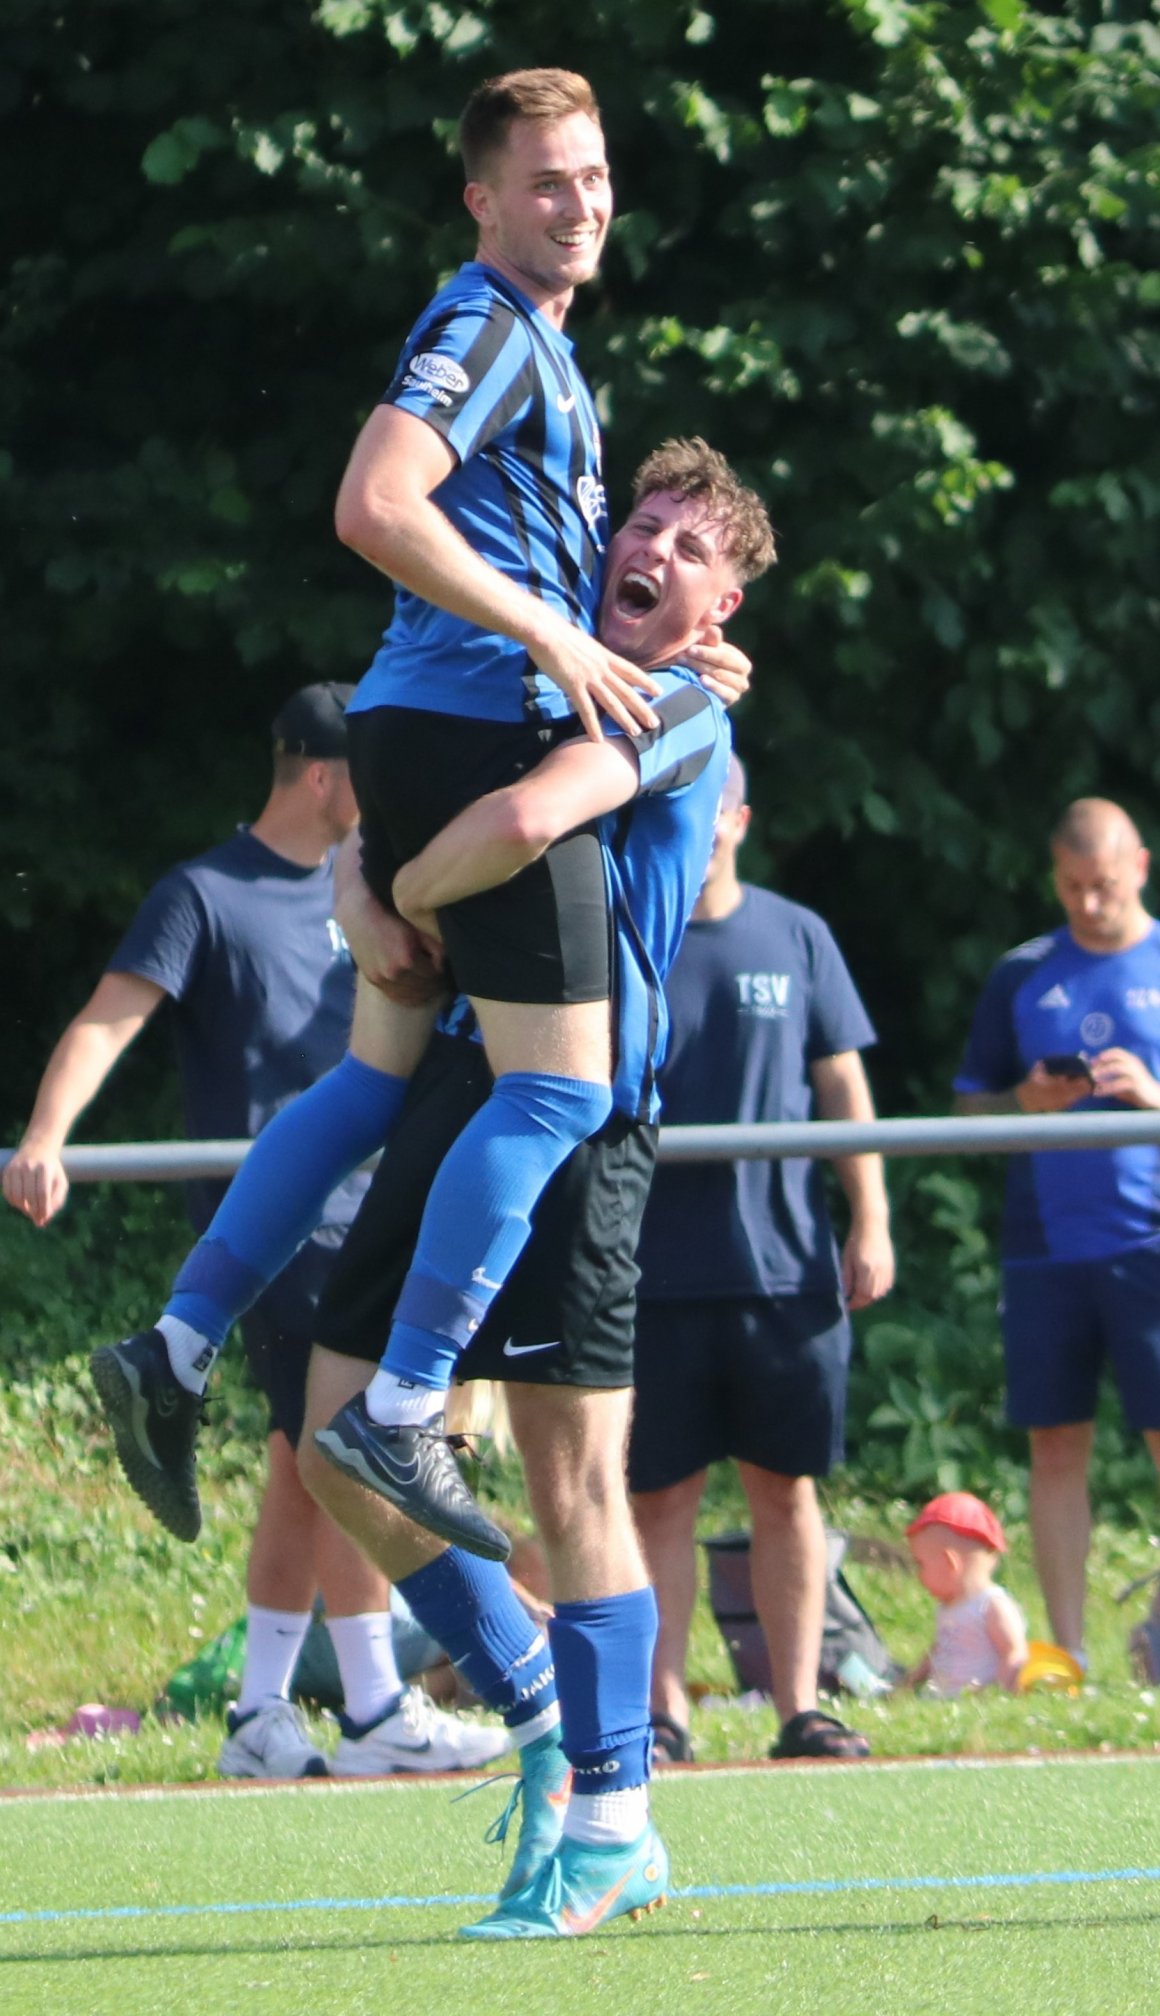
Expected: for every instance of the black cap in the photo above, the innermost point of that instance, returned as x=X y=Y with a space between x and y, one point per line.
x=313 y=721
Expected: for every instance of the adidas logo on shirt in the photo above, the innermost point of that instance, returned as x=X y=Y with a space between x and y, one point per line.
x=1055 y=997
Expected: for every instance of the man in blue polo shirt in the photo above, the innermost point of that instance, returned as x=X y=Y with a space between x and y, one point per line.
x=1072 y=1019
x=743 y=1341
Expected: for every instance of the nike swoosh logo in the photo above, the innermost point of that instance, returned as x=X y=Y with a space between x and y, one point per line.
x=511 y=1350
x=355 y=1463
x=577 y=1922
x=565 y=405
x=481 y=1279
x=402 y=1473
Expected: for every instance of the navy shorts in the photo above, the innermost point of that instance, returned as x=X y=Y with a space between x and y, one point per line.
x=1063 y=1321
x=278 y=1333
x=542 y=937
x=565 y=1316
x=763 y=1381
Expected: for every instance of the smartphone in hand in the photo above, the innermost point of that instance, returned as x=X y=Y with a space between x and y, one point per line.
x=1069 y=1065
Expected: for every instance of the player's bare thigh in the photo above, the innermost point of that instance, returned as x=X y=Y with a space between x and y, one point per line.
x=564 y=1040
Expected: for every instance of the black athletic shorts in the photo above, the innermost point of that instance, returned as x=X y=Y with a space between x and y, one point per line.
x=542 y=937
x=763 y=1381
x=566 y=1316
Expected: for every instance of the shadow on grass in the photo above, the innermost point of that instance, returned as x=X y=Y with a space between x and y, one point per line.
x=878 y=1929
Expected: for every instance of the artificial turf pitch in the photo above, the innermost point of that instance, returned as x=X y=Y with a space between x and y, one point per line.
x=1028 y=1887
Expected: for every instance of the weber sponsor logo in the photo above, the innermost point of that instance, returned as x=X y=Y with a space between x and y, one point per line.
x=411 y=384
x=440 y=374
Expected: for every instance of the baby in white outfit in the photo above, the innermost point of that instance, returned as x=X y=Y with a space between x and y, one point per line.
x=980 y=1638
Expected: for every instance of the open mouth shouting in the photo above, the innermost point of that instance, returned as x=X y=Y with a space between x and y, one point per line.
x=636 y=594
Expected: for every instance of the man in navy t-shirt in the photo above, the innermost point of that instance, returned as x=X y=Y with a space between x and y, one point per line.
x=242 y=945
x=743 y=1340
x=1068 y=1020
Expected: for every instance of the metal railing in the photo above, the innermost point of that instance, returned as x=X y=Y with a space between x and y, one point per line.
x=979 y=1134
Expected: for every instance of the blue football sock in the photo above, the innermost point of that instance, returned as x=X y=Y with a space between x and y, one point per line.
x=478 y=1214
x=279 y=1194
x=603 y=1652
x=469 y=1605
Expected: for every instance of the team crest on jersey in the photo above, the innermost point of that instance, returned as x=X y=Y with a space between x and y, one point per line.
x=1096 y=1030
x=590 y=497
x=443 y=374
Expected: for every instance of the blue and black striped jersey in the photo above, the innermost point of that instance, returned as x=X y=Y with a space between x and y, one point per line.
x=656 y=851
x=485 y=369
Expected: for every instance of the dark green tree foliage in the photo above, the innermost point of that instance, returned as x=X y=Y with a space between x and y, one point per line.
x=897 y=260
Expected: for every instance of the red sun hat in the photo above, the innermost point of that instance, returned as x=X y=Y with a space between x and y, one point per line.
x=962 y=1513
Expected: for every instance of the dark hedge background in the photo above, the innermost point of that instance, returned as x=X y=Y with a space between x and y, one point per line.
x=897 y=260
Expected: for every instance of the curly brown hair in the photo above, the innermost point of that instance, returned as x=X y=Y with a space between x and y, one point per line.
x=544 y=96
x=690 y=468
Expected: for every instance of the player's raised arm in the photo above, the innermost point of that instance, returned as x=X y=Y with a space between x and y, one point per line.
x=386 y=513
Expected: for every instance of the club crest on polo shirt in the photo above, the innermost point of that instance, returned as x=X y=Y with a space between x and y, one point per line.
x=763 y=994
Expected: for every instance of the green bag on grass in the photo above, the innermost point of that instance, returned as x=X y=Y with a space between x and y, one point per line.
x=208 y=1682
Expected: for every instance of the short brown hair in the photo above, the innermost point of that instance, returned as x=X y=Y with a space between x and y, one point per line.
x=545 y=96
x=690 y=468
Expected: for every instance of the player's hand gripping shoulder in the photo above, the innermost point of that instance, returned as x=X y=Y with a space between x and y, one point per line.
x=721 y=667
x=595 y=680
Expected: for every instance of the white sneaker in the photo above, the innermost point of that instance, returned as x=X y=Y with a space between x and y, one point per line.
x=417 y=1736
x=270 y=1742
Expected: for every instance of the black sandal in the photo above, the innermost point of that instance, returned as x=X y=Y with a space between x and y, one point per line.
x=812 y=1734
x=670 y=1742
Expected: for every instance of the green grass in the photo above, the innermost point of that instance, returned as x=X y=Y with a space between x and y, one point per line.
x=795 y=1890
x=97 y=1603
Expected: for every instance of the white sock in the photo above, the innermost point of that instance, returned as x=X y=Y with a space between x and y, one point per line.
x=607 y=1818
x=274 y=1638
x=395 y=1402
x=539 y=1725
x=365 y=1651
x=190 y=1354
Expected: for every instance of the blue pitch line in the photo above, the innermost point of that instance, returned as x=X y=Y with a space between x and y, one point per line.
x=816 y=1887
